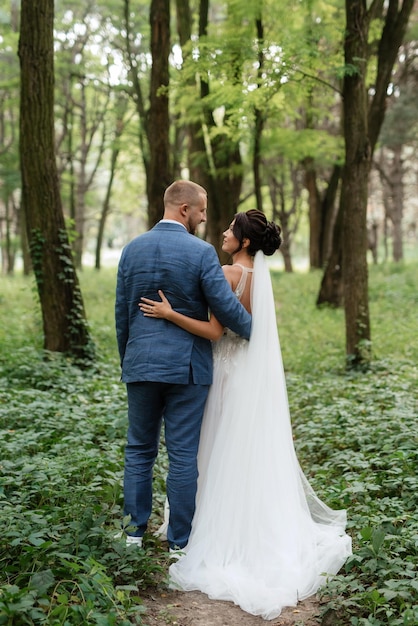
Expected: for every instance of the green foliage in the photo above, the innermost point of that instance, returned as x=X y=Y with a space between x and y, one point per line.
x=61 y=437
x=293 y=74
x=306 y=143
x=80 y=344
x=37 y=243
x=62 y=433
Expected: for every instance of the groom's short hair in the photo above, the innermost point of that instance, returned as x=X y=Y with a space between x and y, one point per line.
x=183 y=192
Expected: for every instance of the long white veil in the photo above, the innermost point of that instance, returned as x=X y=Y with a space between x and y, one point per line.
x=265 y=373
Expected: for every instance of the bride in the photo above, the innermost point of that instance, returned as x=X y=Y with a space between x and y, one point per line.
x=261 y=537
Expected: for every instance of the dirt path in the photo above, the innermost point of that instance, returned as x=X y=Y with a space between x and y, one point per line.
x=193 y=608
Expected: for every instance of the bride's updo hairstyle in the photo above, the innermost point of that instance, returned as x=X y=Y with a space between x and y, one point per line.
x=263 y=235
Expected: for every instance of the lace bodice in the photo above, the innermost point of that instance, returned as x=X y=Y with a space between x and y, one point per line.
x=227 y=345
x=239 y=290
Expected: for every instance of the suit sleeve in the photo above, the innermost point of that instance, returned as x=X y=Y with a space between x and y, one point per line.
x=121 y=314
x=220 y=298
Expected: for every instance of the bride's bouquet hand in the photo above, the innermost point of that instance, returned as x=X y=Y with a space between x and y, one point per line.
x=153 y=308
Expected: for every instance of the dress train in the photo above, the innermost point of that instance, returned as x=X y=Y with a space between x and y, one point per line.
x=261 y=537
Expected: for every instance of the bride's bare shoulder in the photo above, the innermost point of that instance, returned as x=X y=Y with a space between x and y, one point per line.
x=232 y=274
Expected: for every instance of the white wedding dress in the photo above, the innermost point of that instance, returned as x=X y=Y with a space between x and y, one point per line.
x=260 y=538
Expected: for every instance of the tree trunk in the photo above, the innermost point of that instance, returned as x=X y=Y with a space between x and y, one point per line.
x=258 y=119
x=315 y=217
x=159 y=175
x=198 y=161
x=225 y=177
x=224 y=187
x=137 y=90
x=391 y=174
x=224 y=191
x=119 y=128
x=27 y=261
x=354 y=186
x=105 y=208
x=397 y=241
x=331 y=289
x=329 y=211
x=373 y=240
x=395 y=24
x=279 y=200
x=64 y=321
x=8 y=248
x=285 y=246
x=322 y=216
x=216 y=164
x=80 y=216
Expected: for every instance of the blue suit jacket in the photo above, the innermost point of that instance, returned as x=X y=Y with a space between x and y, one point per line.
x=187 y=269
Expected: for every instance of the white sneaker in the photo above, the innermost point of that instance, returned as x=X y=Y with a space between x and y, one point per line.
x=176 y=553
x=129 y=539
x=134 y=541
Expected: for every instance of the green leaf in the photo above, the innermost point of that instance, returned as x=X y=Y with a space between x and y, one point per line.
x=378 y=539
x=41 y=581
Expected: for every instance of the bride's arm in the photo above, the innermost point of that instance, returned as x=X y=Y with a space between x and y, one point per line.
x=212 y=329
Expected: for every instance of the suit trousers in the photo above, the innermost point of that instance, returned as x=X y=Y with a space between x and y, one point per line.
x=181 y=407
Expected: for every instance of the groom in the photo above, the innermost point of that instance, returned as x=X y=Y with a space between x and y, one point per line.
x=167 y=370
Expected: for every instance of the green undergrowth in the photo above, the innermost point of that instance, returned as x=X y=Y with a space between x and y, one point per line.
x=62 y=436
x=62 y=433
x=356 y=437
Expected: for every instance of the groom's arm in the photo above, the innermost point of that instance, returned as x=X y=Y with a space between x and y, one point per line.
x=121 y=315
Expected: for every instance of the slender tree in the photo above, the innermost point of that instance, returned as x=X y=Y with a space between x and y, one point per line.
x=258 y=117
x=285 y=183
x=354 y=185
x=83 y=101
x=345 y=277
x=197 y=154
x=214 y=157
x=397 y=143
x=64 y=321
x=120 y=122
x=153 y=111
x=159 y=174
x=362 y=124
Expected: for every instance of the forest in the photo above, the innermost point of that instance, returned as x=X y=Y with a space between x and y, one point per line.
x=306 y=110
x=314 y=123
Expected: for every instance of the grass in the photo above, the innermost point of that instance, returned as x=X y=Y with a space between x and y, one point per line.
x=62 y=434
